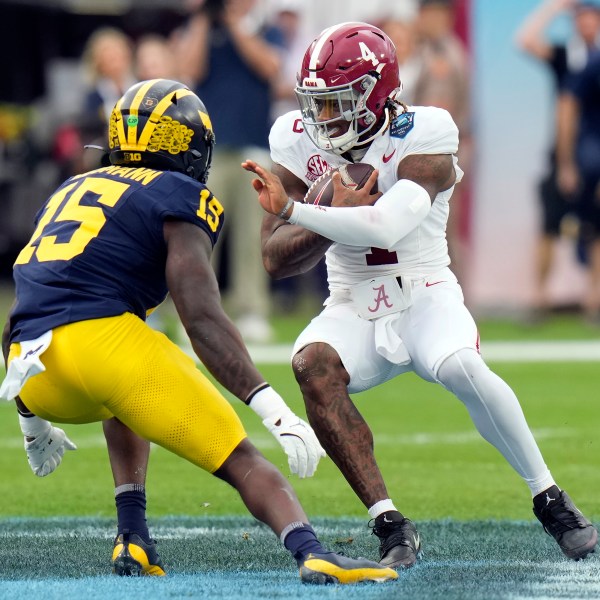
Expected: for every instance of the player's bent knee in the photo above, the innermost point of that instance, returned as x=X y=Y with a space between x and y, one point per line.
x=251 y=474
x=464 y=366
x=317 y=361
x=242 y=460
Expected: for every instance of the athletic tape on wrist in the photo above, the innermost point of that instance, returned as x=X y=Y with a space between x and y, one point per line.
x=255 y=391
x=269 y=405
x=33 y=426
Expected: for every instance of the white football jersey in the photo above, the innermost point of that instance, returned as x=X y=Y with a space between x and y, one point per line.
x=421 y=130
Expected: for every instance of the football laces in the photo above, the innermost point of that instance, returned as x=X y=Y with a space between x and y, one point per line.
x=316 y=182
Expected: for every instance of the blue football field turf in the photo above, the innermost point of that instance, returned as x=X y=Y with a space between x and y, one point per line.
x=229 y=557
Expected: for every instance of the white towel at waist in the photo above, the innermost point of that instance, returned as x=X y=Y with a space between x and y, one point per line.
x=24 y=366
x=388 y=343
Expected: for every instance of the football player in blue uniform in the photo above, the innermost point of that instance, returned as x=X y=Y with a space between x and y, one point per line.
x=108 y=246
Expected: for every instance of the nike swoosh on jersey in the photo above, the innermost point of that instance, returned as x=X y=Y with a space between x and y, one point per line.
x=389 y=157
x=434 y=283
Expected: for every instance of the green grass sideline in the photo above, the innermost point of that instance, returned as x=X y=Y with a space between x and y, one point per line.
x=434 y=462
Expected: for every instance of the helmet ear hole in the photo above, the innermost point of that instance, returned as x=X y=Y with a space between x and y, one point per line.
x=197 y=164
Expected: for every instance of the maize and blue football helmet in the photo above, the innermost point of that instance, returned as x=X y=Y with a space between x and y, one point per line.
x=162 y=124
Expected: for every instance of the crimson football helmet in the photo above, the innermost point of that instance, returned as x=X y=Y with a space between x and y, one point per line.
x=162 y=124
x=347 y=76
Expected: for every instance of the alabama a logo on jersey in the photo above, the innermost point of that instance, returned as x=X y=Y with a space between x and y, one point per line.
x=402 y=125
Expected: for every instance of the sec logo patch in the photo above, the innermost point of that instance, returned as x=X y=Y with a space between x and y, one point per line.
x=316 y=165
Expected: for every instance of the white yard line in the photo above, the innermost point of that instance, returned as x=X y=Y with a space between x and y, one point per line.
x=418 y=438
x=550 y=351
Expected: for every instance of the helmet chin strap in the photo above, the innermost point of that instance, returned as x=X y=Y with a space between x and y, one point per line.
x=350 y=144
x=380 y=131
x=355 y=141
x=393 y=98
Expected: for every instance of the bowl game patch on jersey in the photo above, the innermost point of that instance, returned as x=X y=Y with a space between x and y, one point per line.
x=402 y=125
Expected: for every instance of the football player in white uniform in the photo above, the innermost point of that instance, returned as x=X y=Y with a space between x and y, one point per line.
x=394 y=305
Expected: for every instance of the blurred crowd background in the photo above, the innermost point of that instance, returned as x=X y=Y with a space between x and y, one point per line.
x=65 y=63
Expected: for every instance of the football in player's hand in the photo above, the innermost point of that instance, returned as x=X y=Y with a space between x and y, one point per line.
x=354 y=176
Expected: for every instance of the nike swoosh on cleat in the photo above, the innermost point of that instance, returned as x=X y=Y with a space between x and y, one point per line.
x=434 y=283
x=389 y=157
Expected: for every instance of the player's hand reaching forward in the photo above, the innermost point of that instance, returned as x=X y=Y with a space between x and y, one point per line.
x=274 y=199
x=296 y=436
x=298 y=441
x=44 y=444
x=271 y=193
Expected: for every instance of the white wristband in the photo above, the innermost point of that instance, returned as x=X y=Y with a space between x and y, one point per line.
x=33 y=427
x=268 y=404
x=287 y=207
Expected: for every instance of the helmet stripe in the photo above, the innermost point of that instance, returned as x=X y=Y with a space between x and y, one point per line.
x=205 y=120
x=158 y=112
x=321 y=41
x=133 y=110
x=119 y=121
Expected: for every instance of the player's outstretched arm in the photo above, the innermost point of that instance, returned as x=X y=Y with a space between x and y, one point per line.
x=193 y=286
x=287 y=249
x=44 y=444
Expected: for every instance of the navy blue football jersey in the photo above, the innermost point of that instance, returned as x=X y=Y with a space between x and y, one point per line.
x=98 y=249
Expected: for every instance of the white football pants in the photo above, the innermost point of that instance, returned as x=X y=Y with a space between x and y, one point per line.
x=497 y=414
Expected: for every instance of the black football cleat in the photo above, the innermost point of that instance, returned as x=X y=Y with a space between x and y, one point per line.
x=561 y=519
x=133 y=557
x=400 y=543
x=335 y=568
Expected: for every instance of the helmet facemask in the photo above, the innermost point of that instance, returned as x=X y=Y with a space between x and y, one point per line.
x=336 y=117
